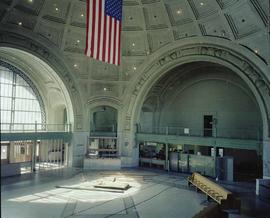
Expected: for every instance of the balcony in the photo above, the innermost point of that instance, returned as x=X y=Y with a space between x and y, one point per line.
x=29 y=131
x=221 y=137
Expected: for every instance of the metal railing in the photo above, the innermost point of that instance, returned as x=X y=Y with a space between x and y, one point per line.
x=233 y=133
x=34 y=127
x=102 y=153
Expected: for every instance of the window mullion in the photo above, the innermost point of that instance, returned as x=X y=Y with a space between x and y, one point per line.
x=13 y=101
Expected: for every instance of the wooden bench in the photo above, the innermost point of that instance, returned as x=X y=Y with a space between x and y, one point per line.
x=219 y=194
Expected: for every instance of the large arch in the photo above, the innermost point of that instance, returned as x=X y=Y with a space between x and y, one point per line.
x=113 y=103
x=245 y=63
x=241 y=61
x=26 y=52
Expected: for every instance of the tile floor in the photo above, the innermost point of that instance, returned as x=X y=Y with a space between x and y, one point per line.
x=152 y=194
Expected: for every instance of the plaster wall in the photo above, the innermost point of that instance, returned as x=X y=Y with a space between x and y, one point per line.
x=230 y=105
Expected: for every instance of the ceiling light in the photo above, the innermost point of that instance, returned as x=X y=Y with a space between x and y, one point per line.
x=78 y=41
x=133 y=44
x=82 y=15
x=256 y=51
x=56 y=9
x=105 y=89
x=201 y=3
x=179 y=12
x=30 y=1
x=75 y=65
x=20 y=23
x=134 y=68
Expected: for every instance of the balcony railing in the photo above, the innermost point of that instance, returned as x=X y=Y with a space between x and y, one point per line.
x=34 y=127
x=233 y=133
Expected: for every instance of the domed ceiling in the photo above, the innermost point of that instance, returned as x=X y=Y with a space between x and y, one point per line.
x=148 y=25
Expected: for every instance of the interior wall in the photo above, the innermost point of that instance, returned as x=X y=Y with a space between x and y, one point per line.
x=103 y=118
x=229 y=104
x=191 y=91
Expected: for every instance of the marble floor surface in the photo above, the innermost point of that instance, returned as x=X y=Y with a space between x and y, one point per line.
x=71 y=193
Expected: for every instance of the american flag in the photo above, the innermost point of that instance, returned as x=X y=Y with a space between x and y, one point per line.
x=103 y=34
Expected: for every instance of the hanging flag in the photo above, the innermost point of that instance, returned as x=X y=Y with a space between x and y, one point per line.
x=103 y=33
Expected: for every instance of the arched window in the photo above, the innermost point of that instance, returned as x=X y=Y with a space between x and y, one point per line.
x=21 y=104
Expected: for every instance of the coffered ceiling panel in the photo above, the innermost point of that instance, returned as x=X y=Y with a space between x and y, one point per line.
x=187 y=30
x=215 y=26
x=133 y=19
x=179 y=12
x=78 y=15
x=21 y=19
x=135 y=44
x=74 y=40
x=243 y=21
x=130 y=67
x=159 y=38
x=155 y=16
x=30 y=6
x=51 y=31
x=203 y=8
x=56 y=10
x=226 y=3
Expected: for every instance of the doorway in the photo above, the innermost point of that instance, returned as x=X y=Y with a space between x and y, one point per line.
x=208 y=125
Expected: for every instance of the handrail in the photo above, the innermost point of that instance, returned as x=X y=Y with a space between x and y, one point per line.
x=34 y=127
x=237 y=133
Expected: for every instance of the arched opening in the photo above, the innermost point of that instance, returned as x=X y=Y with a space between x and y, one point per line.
x=33 y=100
x=102 y=147
x=209 y=117
x=21 y=104
x=52 y=89
x=103 y=119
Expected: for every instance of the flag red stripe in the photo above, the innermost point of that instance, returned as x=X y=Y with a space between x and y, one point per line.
x=103 y=33
x=119 y=43
x=110 y=37
x=114 y=43
x=87 y=26
x=104 y=37
x=99 y=27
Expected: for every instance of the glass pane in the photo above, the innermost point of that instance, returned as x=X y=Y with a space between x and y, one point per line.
x=16 y=91
x=6 y=90
x=5 y=75
x=5 y=116
x=5 y=103
x=24 y=92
